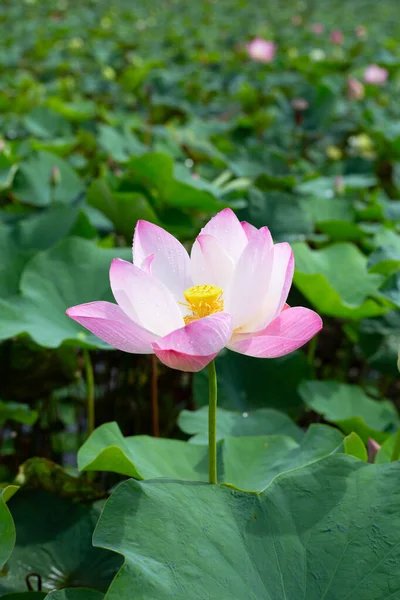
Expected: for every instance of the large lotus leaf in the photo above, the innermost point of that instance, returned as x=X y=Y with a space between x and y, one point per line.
x=327 y=531
x=7 y=527
x=74 y=272
x=123 y=209
x=246 y=383
x=349 y=407
x=33 y=182
x=248 y=463
x=54 y=540
x=336 y=281
x=264 y=421
x=75 y=594
x=254 y=469
x=155 y=172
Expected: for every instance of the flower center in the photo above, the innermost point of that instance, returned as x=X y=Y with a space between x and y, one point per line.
x=202 y=301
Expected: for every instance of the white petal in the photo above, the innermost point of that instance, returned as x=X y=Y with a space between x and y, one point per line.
x=250 y=281
x=226 y=227
x=278 y=289
x=170 y=265
x=210 y=263
x=144 y=299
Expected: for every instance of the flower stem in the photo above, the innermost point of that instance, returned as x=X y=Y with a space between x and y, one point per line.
x=90 y=392
x=396 y=447
x=154 y=396
x=212 y=423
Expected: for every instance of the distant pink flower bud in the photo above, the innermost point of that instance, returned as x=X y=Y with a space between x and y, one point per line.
x=337 y=37
x=318 y=28
x=373 y=449
x=299 y=104
x=297 y=20
x=55 y=176
x=355 y=89
x=261 y=50
x=195 y=176
x=339 y=184
x=361 y=31
x=376 y=75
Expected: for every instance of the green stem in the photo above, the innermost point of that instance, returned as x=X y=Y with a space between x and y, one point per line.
x=396 y=447
x=90 y=392
x=212 y=423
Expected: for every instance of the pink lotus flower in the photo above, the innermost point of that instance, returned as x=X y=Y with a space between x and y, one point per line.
x=231 y=292
x=355 y=89
x=261 y=50
x=376 y=75
x=318 y=28
x=337 y=37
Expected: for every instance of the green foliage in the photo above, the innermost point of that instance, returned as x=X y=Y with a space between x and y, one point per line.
x=116 y=111
x=7 y=527
x=248 y=463
x=54 y=540
x=246 y=383
x=339 y=504
x=336 y=281
x=74 y=272
x=351 y=409
x=260 y=422
x=75 y=594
